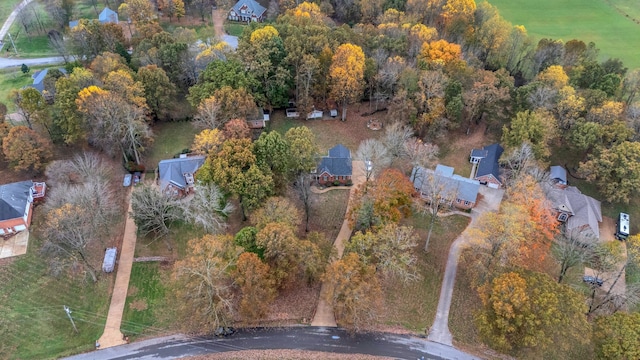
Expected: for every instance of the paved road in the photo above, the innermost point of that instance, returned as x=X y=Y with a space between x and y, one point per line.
x=301 y=338
x=8 y=63
x=439 y=332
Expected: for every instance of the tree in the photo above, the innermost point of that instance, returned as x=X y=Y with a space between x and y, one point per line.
x=226 y=103
x=90 y=38
x=272 y=152
x=31 y=106
x=281 y=248
x=486 y=96
x=386 y=199
x=302 y=149
x=347 y=75
x=220 y=73
x=122 y=82
x=67 y=118
x=616 y=171
x=208 y=208
x=158 y=89
x=396 y=136
x=154 y=211
x=391 y=250
x=419 y=153
x=536 y=128
x=246 y=238
x=527 y=310
x=173 y=8
x=354 y=292
x=617 y=336
x=570 y=250
x=554 y=76
x=114 y=124
x=207 y=141
x=302 y=187
x=276 y=210
x=25 y=69
x=438 y=53
x=374 y=155
x=236 y=129
x=204 y=283
x=25 y=149
x=257 y=288
x=139 y=11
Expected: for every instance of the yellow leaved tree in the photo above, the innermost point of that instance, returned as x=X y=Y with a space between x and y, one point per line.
x=347 y=75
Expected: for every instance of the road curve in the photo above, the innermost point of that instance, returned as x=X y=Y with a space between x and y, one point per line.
x=330 y=340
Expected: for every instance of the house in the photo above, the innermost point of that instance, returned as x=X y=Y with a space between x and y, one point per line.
x=108 y=16
x=580 y=213
x=260 y=119
x=457 y=190
x=336 y=166
x=486 y=165
x=39 y=76
x=176 y=176
x=558 y=175
x=16 y=205
x=292 y=112
x=247 y=10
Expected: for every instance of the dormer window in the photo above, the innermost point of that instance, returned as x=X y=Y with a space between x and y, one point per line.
x=563 y=217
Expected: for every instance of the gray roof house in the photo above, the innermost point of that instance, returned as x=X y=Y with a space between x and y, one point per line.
x=247 y=10
x=38 y=78
x=580 y=213
x=108 y=16
x=335 y=166
x=460 y=191
x=558 y=174
x=16 y=201
x=488 y=167
x=176 y=175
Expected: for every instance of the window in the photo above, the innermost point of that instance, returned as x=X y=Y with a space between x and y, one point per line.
x=466 y=203
x=325 y=178
x=563 y=217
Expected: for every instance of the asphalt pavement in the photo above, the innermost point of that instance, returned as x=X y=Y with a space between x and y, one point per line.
x=331 y=340
x=14 y=62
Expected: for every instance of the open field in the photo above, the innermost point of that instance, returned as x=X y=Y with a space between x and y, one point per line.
x=170 y=139
x=413 y=306
x=616 y=35
x=35 y=43
x=34 y=324
x=11 y=80
x=6 y=7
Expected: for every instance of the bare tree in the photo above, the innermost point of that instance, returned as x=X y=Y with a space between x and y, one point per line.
x=522 y=161
x=375 y=156
x=570 y=250
x=208 y=208
x=302 y=186
x=437 y=194
x=420 y=153
x=154 y=211
x=208 y=115
x=395 y=137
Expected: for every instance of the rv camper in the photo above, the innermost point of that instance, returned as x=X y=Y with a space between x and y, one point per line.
x=622 y=232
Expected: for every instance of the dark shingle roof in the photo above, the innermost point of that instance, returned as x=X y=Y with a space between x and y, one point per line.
x=172 y=171
x=13 y=199
x=453 y=185
x=338 y=162
x=489 y=164
x=479 y=153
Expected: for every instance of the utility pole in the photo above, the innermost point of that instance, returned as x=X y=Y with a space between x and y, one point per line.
x=12 y=43
x=68 y=311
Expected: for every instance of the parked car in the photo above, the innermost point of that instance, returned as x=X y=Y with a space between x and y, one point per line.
x=593 y=280
x=136 y=177
x=127 y=180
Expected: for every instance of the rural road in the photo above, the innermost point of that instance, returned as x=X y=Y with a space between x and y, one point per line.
x=331 y=340
x=8 y=63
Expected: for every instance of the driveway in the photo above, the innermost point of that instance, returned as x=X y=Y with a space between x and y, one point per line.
x=489 y=201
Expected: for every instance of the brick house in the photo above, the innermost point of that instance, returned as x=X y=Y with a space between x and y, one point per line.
x=451 y=188
x=486 y=165
x=246 y=11
x=336 y=166
x=16 y=205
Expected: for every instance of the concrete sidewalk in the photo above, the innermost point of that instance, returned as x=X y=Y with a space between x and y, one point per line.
x=324 y=315
x=112 y=335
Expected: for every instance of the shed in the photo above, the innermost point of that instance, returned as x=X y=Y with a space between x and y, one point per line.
x=109 y=263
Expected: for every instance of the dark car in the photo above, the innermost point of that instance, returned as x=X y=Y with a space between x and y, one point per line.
x=136 y=178
x=593 y=280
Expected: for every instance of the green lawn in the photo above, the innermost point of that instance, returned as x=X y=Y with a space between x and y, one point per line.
x=414 y=305
x=170 y=139
x=33 y=324
x=146 y=308
x=588 y=20
x=10 y=80
x=6 y=7
x=35 y=43
x=234 y=29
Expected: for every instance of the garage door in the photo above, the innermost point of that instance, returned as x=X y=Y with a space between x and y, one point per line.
x=19 y=227
x=493 y=185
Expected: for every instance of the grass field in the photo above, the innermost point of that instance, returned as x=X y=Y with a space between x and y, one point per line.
x=234 y=29
x=170 y=139
x=35 y=43
x=414 y=305
x=33 y=324
x=13 y=79
x=6 y=7
x=600 y=21
x=145 y=310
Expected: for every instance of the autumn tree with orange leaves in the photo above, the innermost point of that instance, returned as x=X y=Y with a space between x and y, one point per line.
x=386 y=199
x=257 y=287
x=25 y=149
x=347 y=75
x=439 y=53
